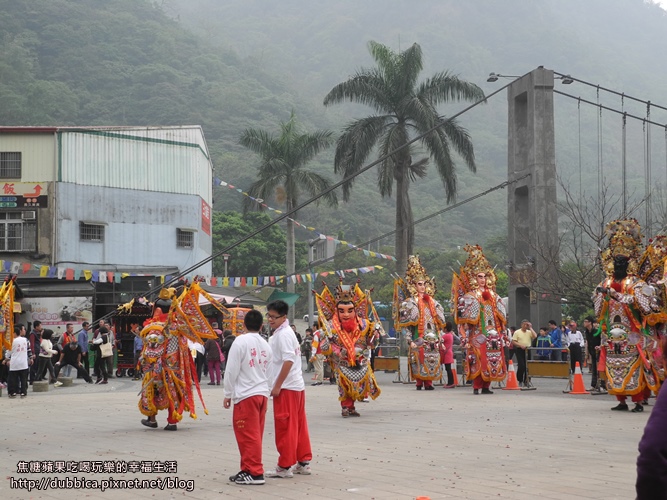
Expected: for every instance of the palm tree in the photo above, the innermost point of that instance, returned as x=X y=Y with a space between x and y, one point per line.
x=404 y=108
x=282 y=174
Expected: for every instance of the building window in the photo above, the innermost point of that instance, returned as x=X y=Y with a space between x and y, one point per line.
x=184 y=238
x=16 y=234
x=91 y=232
x=10 y=165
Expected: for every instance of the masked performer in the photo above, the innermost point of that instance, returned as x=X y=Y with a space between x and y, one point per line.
x=348 y=324
x=421 y=319
x=630 y=305
x=170 y=375
x=482 y=320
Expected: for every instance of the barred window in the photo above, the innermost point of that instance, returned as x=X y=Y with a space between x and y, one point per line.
x=16 y=234
x=10 y=165
x=91 y=232
x=184 y=238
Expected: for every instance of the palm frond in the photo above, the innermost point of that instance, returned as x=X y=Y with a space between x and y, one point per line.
x=444 y=87
x=460 y=140
x=410 y=68
x=355 y=144
x=305 y=147
x=258 y=141
x=314 y=184
x=418 y=170
x=437 y=145
x=367 y=87
x=264 y=189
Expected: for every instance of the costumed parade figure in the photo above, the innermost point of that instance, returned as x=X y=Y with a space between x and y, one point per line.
x=630 y=305
x=421 y=319
x=7 y=292
x=482 y=320
x=170 y=375
x=348 y=326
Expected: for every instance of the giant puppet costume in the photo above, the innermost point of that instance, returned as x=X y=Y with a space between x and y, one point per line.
x=482 y=320
x=349 y=320
x=630 y=305
x=7 y=292
x=421 y=319
x=170 y=375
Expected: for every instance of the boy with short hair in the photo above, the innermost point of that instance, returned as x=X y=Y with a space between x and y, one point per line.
x=544 y=340
x=246 y=384
x=289 y=396
x=19 y=362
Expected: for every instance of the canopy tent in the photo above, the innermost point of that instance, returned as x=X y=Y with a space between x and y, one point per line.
x=248 y=296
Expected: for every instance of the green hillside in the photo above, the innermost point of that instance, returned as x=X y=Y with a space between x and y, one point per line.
x=234 y=64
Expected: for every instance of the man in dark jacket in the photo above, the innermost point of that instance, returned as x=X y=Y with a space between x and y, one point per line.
x=592 y=341
x=228 y=339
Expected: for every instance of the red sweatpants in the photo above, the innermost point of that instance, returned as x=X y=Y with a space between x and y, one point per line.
x=479 y=383
x=248 y=421
x=292 y=438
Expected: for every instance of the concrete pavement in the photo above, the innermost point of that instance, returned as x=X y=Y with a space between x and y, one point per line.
x=406 y=444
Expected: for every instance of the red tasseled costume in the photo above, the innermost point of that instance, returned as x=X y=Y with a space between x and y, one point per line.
x=486 y=295
x=617 y=286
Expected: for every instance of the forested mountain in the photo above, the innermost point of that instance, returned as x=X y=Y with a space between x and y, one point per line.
x=235 y=64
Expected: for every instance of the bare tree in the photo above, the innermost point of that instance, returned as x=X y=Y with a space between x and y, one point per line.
x=582 y=219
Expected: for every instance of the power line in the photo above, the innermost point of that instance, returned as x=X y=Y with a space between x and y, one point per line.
x=326 y=191
x=502 y=185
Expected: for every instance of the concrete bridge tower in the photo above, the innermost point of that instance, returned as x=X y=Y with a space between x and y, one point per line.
x=532 y=210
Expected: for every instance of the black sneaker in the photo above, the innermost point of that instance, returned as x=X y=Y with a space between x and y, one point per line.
x=246 y=478
x=233 y=478
x=149 y=423
x=637 y=409
x=12 y=395
x=620 y=407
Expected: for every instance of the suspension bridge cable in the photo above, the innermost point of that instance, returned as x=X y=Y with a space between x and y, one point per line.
x=621 y=94
x=613 y=110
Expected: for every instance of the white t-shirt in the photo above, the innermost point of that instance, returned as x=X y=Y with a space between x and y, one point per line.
x=19 y=357
x=575 y=338
x=247 y=368
x=285 y=347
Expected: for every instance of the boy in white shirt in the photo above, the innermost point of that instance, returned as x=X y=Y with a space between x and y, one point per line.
x=246 y=384
x=19 y=362
x=289 y=396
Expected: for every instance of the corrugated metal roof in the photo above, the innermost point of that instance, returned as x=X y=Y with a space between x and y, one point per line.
x=125 y=157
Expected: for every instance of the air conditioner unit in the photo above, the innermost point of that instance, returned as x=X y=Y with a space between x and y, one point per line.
x=29 y=215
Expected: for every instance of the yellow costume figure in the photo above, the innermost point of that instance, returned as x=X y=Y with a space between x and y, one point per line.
x=482 y=320
x=348 y=318
x=630 y=305
x=170 y=376
x=421 y=319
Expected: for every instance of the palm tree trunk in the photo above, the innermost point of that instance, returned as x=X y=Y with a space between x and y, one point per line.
x=290 y=264
x=404 y=229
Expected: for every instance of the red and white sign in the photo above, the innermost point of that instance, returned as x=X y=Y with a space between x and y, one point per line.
x=205 y=217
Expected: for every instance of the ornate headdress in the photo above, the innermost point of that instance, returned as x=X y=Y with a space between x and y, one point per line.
x=415 y=273
x=327 y=301
x=625 y=240
x=477 y=263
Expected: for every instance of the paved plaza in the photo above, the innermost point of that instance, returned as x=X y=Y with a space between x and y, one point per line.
x=407 y=444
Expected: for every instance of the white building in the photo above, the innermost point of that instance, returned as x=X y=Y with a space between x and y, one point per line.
x=125 y=200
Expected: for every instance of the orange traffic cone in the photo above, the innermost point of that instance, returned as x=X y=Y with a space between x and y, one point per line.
x=512 y=384
x=578 y=386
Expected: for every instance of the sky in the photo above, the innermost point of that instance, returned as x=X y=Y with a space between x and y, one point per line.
x=663 y=3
